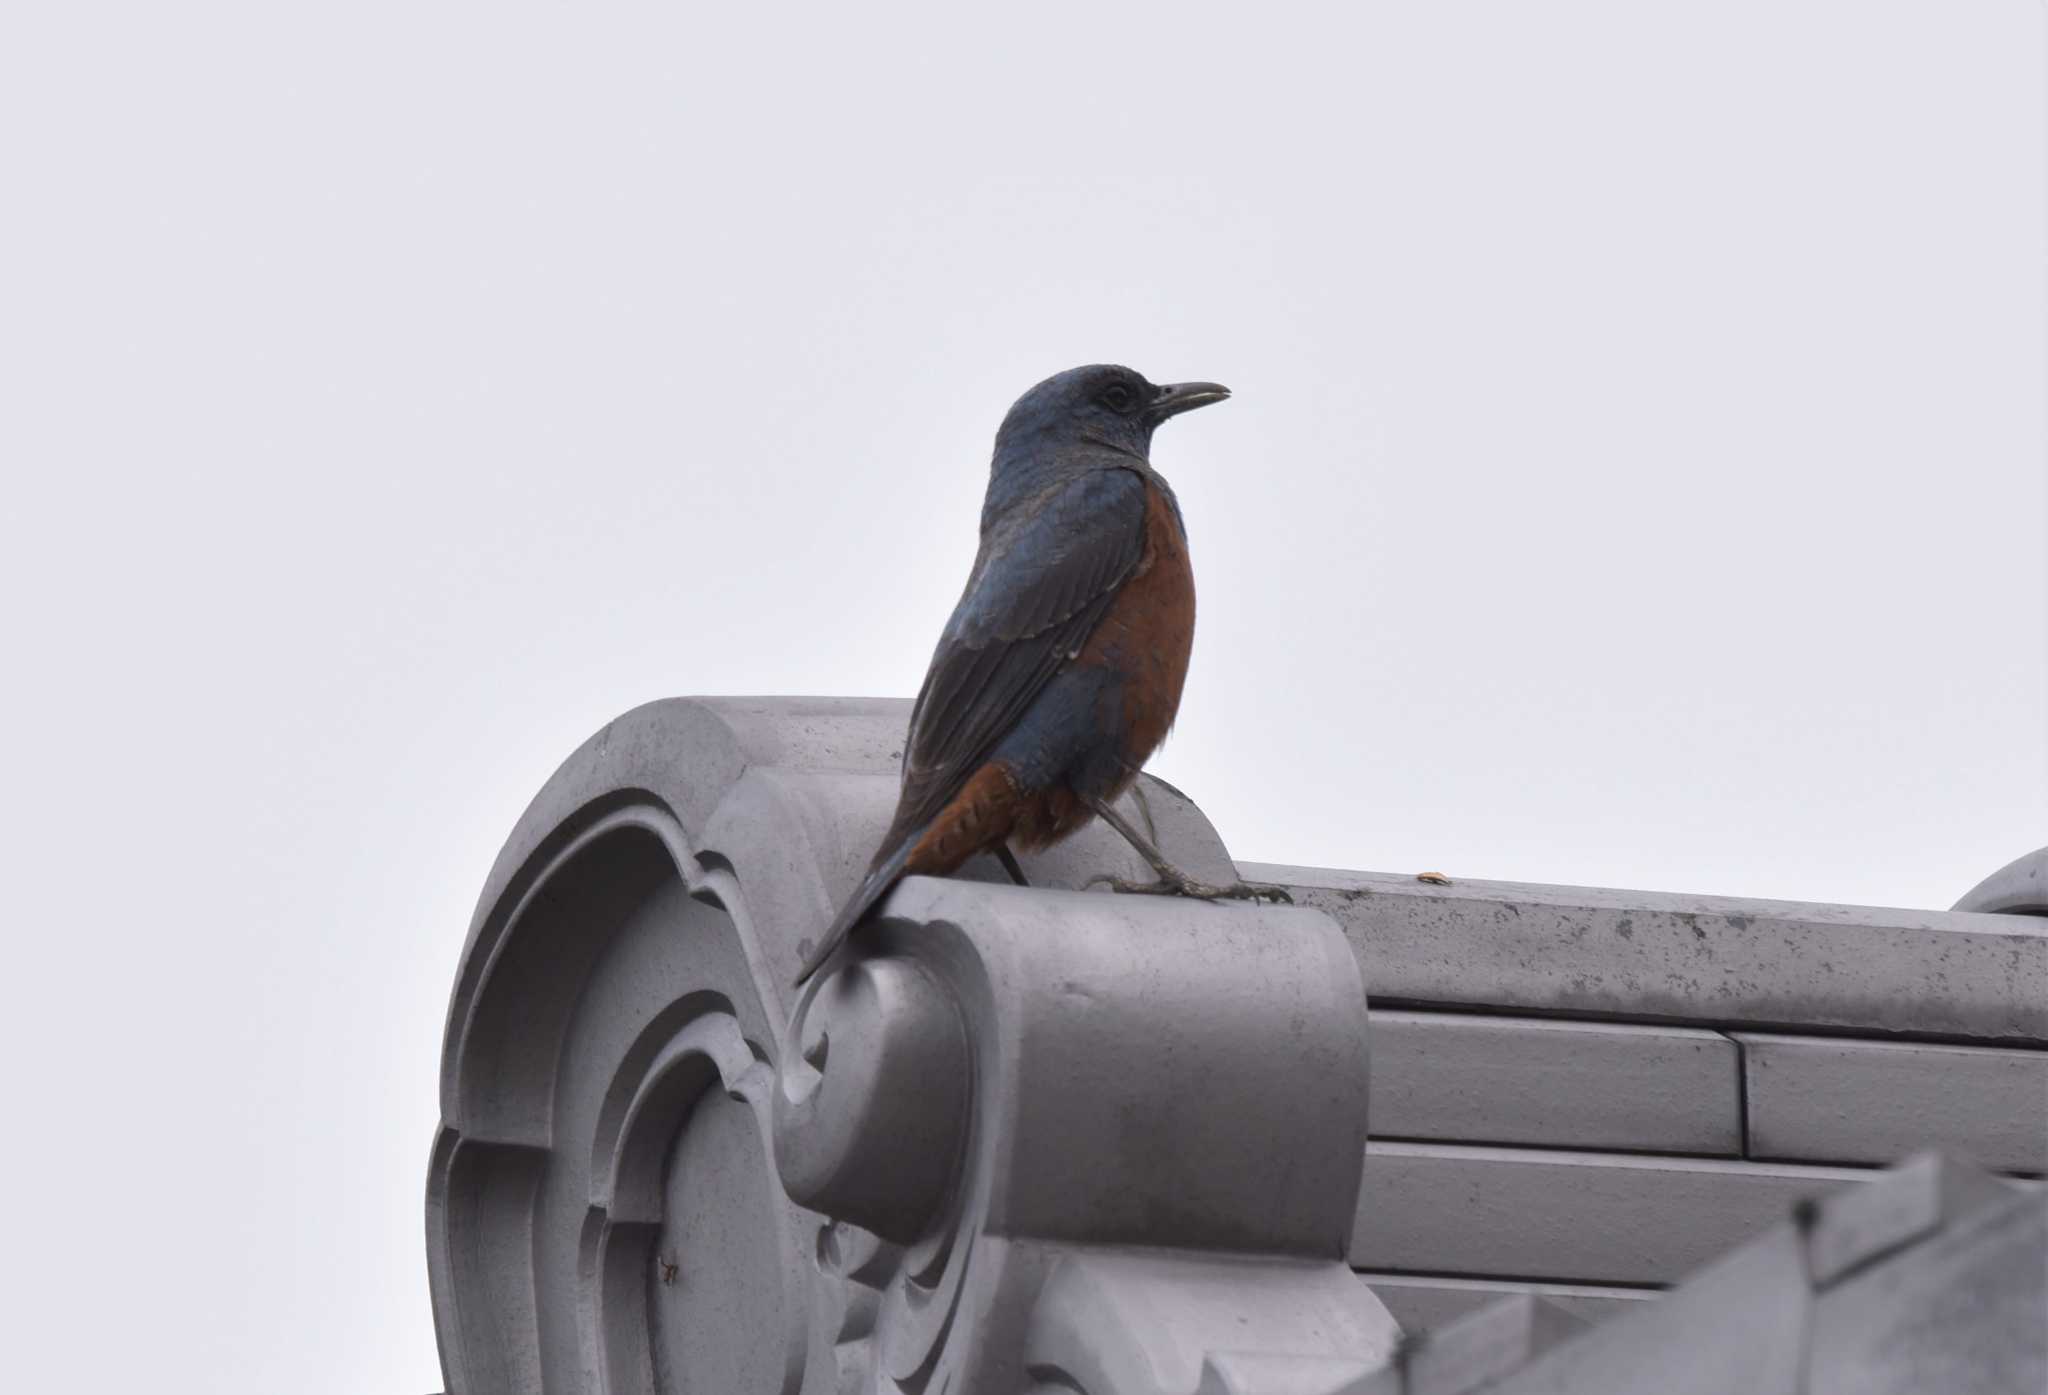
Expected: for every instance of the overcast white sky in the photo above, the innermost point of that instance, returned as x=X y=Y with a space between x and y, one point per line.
x=1635 y=478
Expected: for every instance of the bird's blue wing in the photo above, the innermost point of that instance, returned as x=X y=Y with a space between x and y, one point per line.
x=1047 y=571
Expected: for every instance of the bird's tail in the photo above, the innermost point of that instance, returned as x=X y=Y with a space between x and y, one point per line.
x=873 y=887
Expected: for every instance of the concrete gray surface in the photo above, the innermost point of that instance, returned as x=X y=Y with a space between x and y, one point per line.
x=657 y=1171
x=1483 y=1346
x=1930 y=1278
x=1840 y=1100
x=1109 y=1018
x=1563 y=1216
x=1964 y=1313
x=1162 y=1323
x=1740 y=1324
x=1420 y=1302
x=1855 y=1227
x=1475 y=1078
x=1159 y=1158
x=2018 y=888
x=1705 y=960
x=1036 y=1139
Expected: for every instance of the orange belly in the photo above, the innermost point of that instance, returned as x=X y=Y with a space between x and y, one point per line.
x=1148 y=634
x=979 y=817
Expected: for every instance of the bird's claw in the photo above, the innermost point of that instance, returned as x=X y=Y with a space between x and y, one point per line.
x=1200 y=891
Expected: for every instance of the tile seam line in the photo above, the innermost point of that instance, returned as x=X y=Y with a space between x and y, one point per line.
x=1550 y=1281
x=1742 y=1138
x=1760 y=1026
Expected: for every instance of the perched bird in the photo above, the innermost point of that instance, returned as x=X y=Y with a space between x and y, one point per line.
x=1061 y=667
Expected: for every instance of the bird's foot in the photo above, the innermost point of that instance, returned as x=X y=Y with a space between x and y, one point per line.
x=1200 y=891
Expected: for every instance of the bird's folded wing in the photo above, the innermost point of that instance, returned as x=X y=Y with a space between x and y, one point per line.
x=1042 y=583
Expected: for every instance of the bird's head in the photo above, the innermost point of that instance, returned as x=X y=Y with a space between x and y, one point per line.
x=1102 y=404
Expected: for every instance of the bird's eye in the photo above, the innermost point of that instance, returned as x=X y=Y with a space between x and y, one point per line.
x=1116 y=397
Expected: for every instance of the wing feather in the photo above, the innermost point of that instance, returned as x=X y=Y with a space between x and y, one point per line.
x=1043 y=580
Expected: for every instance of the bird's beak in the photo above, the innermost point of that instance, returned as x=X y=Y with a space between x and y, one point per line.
x=1175 y=398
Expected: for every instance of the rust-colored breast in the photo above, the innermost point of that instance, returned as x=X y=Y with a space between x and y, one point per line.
x=1149 y=632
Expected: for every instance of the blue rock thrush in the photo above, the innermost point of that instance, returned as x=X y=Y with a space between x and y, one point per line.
x=1062 y=665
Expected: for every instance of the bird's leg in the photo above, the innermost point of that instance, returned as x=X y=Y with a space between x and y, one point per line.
x=1144 y=804
x=1009 y=861
x=1172 y=881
